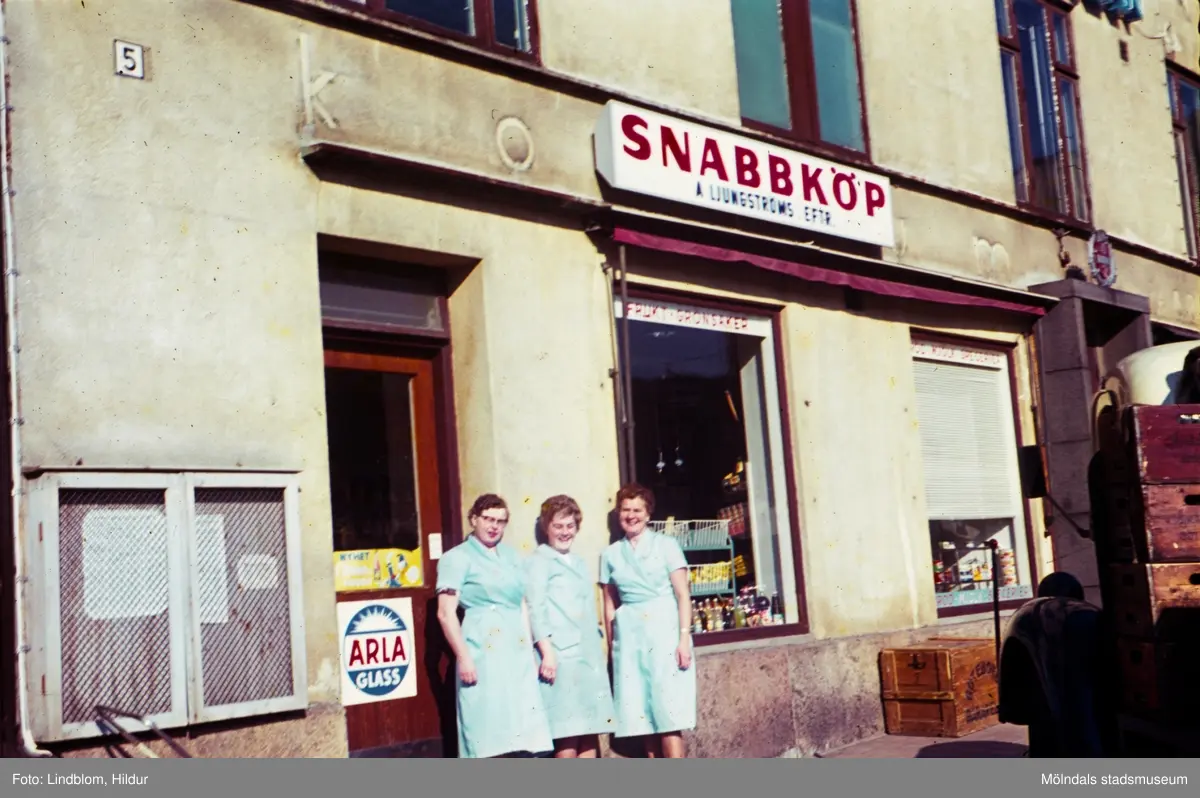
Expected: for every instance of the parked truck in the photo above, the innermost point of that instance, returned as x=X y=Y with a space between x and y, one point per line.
x=1121 y=677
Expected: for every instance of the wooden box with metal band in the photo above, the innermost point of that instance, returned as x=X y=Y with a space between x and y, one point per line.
x=945 y=687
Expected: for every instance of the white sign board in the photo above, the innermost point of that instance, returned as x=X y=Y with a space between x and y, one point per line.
x=378 y=650
x=659 y=156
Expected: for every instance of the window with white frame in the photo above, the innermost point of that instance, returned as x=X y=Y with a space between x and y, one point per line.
x=972 y=485
x=176 y=597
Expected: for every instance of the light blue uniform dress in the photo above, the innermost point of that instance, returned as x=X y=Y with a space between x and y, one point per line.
x=502 y=712
x=652 y=694
x=562 y=606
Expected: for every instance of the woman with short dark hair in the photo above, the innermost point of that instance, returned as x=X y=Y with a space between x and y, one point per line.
x=499 y=704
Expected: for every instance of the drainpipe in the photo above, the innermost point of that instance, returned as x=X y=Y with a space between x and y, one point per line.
x=10 y=311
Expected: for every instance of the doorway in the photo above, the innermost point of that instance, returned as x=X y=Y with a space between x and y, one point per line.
x=390 y=439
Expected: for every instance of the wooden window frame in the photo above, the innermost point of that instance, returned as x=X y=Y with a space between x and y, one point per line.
x=483 y=16
x=799 y=66
x=1186 y=157
x=1079 y=209
x=1009 y=351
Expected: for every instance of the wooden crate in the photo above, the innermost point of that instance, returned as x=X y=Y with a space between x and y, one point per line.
x=945 y=687
x=1166 y=443
x=1168 y=520
x=1158 y=600
x=1159 y=678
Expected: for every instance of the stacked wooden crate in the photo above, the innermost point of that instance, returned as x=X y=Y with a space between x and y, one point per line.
x=1151 y=561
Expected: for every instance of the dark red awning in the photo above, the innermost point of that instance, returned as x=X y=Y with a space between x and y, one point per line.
x=817 y=274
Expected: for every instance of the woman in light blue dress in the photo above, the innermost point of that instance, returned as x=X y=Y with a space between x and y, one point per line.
x=561 y=593
x=499 y=703
x=647 y=610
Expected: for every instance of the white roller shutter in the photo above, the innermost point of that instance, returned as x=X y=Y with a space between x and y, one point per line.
x=966 y=422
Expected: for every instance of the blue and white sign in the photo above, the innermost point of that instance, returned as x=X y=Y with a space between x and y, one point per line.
x=378 y=650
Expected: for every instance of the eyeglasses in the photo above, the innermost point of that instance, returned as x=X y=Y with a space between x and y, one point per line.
x=491 y=519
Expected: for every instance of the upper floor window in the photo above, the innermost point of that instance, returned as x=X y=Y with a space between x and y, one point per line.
x=798 y=69
x=502 y=25
x=1185 y=114
x=1041 y=91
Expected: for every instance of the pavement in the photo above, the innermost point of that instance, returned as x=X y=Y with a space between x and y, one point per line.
x=998 y=742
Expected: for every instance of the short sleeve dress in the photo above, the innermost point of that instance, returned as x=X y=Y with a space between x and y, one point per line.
x=502 y=712
x=561 y=594
x=652 y=695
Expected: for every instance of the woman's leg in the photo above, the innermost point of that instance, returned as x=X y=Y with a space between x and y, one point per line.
x=654 y=747
x=589 y=747
x=566 y=748
x=673 y=746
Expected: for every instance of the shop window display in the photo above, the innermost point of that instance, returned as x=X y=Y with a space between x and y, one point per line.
x=972 y=489
x=703 y=444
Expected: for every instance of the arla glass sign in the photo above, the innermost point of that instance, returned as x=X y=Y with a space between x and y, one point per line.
x=377 y=651
x=656 y=155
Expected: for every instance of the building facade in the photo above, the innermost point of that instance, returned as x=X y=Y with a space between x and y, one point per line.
x=289 y=283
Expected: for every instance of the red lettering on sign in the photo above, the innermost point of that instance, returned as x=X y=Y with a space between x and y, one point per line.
x=629 y=126
x=781 y=175
x=356 y=654
x=747 y=167
x=874 y=197
x=810 y=180
x=711 y=159
x=372 y=650
x=843 y=185
x=682 y=155
x=398 y=654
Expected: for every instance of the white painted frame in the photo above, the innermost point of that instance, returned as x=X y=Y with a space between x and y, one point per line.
x=289 y=483
x=992 y=360
x=44 y=608
x=43 y=517
x=762 y=328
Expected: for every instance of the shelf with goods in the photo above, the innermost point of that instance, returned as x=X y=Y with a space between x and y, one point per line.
x=707 y=579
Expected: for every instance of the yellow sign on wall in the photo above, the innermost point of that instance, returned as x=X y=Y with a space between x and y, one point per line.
x=377 y=569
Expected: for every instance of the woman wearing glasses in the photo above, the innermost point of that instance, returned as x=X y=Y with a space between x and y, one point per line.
x=499 y=703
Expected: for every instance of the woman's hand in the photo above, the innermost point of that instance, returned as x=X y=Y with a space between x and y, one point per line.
x=549 y=666
x=466 y=671
x=683 y=654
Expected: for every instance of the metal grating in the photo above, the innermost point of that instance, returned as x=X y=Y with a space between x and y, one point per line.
x=114 y=601
x=242 y=591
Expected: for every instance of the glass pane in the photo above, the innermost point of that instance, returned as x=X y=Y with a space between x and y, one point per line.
x=962 y=562
x=1074 y=146
x=1172 y=88
x=1187 y=188
x=761 y=65
x=1047 y=189
x=453 y=15
x=835 y=61
x=362 y=297
x=1062 y=40
x=512 y=23
x=1189 y=110
x=701 y=445
x=372 y=464
x=1008 y=69
x=1003 y=23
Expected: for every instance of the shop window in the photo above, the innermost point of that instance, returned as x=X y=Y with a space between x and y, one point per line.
x=708 y=441
x=175 y=597
x=502 y=25
x=798 y=69
x=1041 y=93
x=1185 y=116
x=972 y=487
